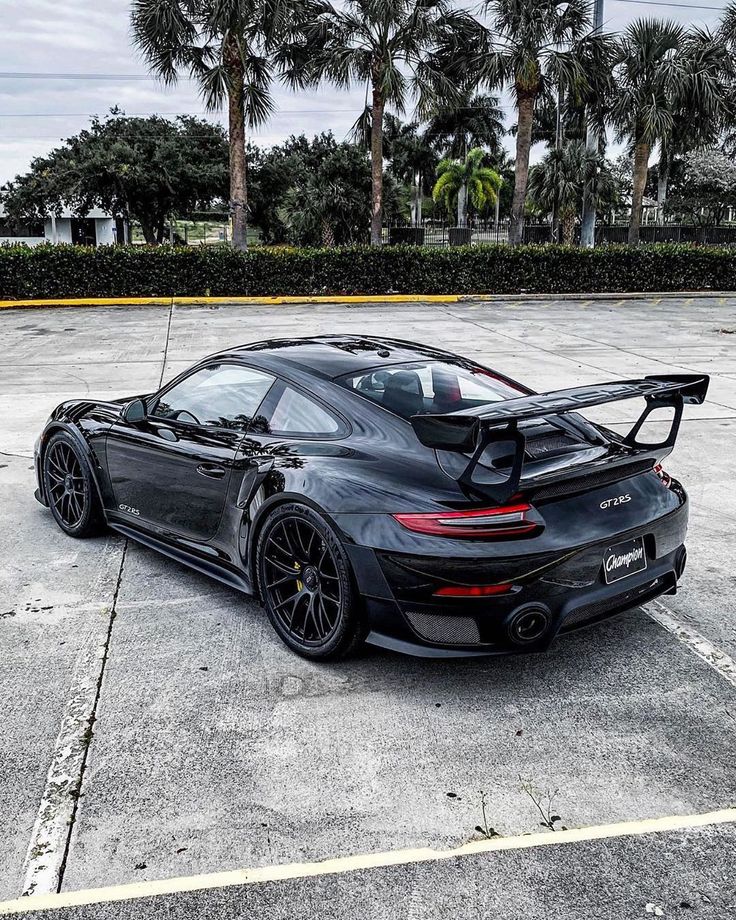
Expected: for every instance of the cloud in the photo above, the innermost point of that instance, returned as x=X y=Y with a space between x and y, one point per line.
x=78 y=36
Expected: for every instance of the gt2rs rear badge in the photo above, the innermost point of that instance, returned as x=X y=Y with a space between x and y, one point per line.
x=618 y=500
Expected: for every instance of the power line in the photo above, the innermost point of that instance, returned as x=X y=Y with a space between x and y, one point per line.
x=30 y=75
x=684 y=6
x=171 y=114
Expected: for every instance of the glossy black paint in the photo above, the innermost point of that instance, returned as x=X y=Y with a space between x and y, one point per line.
x=200 y=494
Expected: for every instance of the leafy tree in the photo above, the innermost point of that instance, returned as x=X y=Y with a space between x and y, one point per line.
x=386 y=45
x=707 y=188
x=330 y=205
x=146 y=169
x=458 y=180
x=234 y=49
x=273 y=172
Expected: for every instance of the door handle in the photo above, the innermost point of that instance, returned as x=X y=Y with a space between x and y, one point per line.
x=211 y=470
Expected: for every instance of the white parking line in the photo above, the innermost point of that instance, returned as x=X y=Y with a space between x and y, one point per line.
x=364 y=861
x=47 y=850
x=718 y=660
x=47 y=847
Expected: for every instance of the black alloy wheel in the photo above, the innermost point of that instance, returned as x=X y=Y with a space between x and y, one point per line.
x=306 y=586
x=70 y=488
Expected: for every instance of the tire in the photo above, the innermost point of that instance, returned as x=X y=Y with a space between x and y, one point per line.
x=70 y=487
x=316 y=610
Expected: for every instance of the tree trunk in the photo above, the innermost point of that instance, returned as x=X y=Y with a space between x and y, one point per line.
x=641 y=165
x=568 y=227
x=416 y=200
x=462 y=205
x=377 y=168
x=521 y=171
x=328 y=235
x=663 y=175
x=236 y=130
x=148 y=231
x=587 y=223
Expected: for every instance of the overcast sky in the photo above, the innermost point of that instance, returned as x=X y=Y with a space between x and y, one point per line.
x=92 y=37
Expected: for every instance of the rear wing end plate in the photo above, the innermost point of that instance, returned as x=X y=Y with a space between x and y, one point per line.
x=472 y=430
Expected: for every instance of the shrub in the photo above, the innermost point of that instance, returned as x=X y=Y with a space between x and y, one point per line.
x=127 y=271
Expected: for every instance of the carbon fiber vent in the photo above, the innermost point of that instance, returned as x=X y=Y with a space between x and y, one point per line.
x=540 y=447
x=445 y=630
x=592 y=481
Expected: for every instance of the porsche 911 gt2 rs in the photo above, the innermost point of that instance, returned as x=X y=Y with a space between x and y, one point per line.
x=372 y=489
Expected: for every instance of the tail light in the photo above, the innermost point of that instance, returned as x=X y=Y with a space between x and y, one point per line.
x=473 y=590
x=664 y=478
x=505 y=521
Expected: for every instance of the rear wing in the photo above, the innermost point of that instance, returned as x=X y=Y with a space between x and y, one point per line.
x=472 y=430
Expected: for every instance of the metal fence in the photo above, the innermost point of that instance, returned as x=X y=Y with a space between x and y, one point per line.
x=438 y=234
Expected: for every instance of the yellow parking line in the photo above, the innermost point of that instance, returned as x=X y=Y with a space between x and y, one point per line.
x=167 y=301
x=364 y=861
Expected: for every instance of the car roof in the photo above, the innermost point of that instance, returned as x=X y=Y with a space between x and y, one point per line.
x=331 y=356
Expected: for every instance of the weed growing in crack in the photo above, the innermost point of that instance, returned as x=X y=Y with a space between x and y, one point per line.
x=484 y=829
x=544 y=803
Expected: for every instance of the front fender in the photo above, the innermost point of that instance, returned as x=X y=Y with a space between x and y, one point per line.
x=91 y=443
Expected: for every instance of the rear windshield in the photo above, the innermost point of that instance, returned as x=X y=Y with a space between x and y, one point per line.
x=430 y=387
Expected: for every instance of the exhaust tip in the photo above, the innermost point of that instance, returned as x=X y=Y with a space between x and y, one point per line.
x=528 y=624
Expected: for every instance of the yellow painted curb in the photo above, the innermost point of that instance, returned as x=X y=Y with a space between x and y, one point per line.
x=346 y=864
x=168 y=301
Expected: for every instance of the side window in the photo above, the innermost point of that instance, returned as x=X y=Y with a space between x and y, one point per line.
x=220 y=395
x=297 y=414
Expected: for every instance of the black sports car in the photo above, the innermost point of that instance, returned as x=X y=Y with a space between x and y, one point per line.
x=368 y=488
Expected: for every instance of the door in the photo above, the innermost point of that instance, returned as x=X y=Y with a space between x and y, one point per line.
x=171 y=471
x=83 y=231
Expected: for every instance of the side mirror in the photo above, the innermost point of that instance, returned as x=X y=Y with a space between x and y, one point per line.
x=134 y=411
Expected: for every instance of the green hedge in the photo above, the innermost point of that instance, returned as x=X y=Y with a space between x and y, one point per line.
x=120 y=271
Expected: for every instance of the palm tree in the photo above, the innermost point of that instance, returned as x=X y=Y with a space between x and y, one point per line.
x=385 y=45
x=413 y=161
x=651 y=80
x=473 y=120
x=458 y=180
x=233 y=48
x=535 y=46
x=559 y=180
x=701 y=103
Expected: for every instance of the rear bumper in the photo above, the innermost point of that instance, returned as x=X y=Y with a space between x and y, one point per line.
x=555 y=594
x=470 y=631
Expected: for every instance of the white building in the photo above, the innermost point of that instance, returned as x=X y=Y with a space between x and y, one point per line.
x=96 y=229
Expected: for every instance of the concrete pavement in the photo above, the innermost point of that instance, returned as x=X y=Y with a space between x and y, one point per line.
x=215 y=748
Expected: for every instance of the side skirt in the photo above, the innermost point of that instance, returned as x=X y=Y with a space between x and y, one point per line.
x=218 y=572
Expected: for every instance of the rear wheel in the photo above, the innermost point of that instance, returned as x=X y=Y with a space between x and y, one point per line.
x=70 y=488
x=306 y=585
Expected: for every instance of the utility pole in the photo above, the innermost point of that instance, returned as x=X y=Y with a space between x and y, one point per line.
x=592 y=143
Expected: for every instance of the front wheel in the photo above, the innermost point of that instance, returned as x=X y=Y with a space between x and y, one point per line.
x=70 y=488
x=306 y=585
